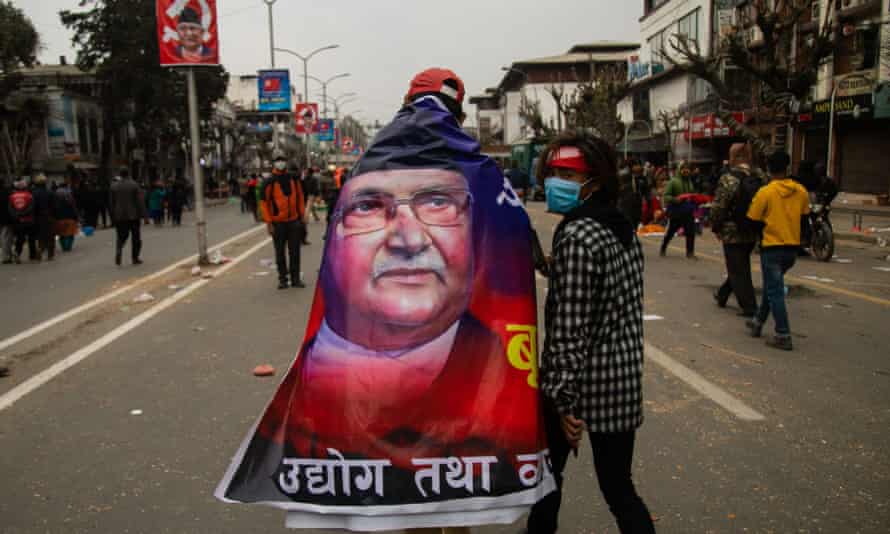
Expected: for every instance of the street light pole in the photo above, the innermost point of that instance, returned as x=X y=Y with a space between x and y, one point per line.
x=197 y=172
x=324 y=90
x=305 y=59
x=269 y=4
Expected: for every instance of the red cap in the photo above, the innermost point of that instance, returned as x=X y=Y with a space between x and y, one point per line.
x=432 y=81
x=568 y=157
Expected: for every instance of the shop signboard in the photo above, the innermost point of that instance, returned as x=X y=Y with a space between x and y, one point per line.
x=856 y=83
x=710 y=126
x=846 y=107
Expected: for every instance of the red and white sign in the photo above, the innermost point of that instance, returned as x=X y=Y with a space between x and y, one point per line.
x=348 y=145
x=306 y=117
x=710 y=126
x=187 y=32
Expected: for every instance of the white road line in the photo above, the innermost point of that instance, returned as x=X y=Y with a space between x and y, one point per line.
x=700 y=384
x=16 y=393
x=8 y=342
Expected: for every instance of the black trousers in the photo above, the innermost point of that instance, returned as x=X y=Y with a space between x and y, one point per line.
x=47 y=238
x=687 y=223
x=738 y=276
x=288 y=235
x=612 y=460
x=125 y=229
x=26 y=232
x=104 y=214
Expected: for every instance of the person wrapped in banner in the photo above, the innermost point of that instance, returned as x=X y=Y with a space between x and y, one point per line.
x=413 y=401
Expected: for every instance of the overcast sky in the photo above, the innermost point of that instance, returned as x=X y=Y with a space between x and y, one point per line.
x=383 y=43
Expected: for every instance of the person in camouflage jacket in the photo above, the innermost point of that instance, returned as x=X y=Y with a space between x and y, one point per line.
x=738 y=243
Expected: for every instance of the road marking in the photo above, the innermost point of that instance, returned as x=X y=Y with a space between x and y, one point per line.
x=8 y=342
x=31 y=384
x=700 y=384
x=797 y=279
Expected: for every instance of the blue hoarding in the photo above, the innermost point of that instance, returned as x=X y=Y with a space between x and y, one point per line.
x=274 y=90
x=325 y=130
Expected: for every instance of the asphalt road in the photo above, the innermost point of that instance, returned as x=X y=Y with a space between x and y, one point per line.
x=135 y=436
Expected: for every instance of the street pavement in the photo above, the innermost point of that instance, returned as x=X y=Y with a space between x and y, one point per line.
x=135 y=434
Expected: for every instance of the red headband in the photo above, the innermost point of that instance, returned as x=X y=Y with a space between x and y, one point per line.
x=569 y=157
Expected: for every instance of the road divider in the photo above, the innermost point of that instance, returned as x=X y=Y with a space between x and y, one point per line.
x=18 y=392
x=36 y=329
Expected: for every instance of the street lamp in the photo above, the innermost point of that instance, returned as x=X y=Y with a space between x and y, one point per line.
x=324 y=89
x=269 y=4
x=305 y=59
x=627 y=128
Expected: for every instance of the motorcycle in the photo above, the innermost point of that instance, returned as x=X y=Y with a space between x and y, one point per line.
x=821 y=240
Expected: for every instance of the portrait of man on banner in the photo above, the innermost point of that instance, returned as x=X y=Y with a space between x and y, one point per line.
x=187 y=33
x=415 y=391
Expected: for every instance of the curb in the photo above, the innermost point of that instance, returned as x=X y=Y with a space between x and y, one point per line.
x=873 y=211
x=857 y=236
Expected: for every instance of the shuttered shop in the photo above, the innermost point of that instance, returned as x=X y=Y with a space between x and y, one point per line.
x=864 y=154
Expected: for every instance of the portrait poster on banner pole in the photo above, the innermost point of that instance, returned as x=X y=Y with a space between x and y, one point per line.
x=413 y=398
x=187 y=32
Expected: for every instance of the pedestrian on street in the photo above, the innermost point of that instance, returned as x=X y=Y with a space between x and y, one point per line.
x=43 y=218
x=285 y=215
x=738 y=233
x=591 y=367
x=519 y=180
x=66 y=217
x=21 y=211
x=633 y=191
x=310 y=186
x=779 y=206
x=102 y=200
x=251 y=196
x=127 y=206
x=156 y=199
x=681 y=212
x=176 y=202
x=7 y=232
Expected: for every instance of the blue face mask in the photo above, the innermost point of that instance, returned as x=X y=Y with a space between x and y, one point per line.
x=562 y=195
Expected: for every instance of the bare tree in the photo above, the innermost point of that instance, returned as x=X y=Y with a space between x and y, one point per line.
x=594 y=106
x=783 y=71
x=670 y=121
x=530 y=113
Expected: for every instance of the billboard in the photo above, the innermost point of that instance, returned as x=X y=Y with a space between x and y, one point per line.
x=326 y=130
x=306 y=117
x=273 y=88
x=187 y=32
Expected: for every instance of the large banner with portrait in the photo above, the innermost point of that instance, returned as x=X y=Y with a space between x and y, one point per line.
x=413 y=400
x=187 y=32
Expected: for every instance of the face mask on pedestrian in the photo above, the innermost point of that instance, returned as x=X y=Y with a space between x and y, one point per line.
x=562 y=195
x=280 y=165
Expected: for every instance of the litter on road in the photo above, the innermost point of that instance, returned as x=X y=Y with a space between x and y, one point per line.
x=145 y=297
x=267 y=262
x=652 y=317
x=841 y=260
x=135 y=412
x=261 y=273
x=883 y=269
x=219 y=259
x=263 y=370
x=196 y=271
x=174 y=287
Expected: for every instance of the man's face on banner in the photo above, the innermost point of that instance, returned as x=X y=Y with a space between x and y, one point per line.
x=400 y=261
x=190 y=35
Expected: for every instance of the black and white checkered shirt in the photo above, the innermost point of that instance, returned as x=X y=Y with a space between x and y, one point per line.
x=592 y=362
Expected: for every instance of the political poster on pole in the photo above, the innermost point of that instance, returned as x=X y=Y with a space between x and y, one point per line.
x=306 y=118
x=187 y=33
x=412 y=401
x=347 y=145
x=273 y=88
x=326 y=130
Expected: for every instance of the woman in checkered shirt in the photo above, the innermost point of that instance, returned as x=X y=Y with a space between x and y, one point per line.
x=592 y=364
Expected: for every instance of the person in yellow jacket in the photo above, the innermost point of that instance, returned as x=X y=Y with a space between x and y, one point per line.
x=779 y=206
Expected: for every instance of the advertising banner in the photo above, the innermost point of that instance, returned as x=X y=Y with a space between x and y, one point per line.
x=273 y=87
x=187 y=32
x=347 y=145
x=413 y=400
x=710 y=126
x=306 y=117
x=326 y=130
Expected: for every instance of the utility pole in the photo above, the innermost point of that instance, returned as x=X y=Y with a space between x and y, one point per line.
x=269 y=4
x=197 y=172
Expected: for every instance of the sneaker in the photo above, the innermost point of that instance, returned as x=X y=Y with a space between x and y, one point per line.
x=755 y=327
x=298 y=284
x=721 y=302
x=691 y=256
x=780 y=342
x=137 y=261
x=282 y=285
x=662 y=253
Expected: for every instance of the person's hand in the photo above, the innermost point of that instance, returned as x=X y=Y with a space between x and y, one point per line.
x=573 y=428
x=269 y=228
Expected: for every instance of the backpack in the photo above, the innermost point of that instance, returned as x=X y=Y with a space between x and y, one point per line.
x=22 y=206
x=749 y=185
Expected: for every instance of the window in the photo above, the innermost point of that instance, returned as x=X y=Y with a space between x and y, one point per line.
x=641 y=105
x=652 y=5
x=657 y=47
x=688 y=26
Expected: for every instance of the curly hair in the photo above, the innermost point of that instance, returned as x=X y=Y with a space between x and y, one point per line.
x=597 y=153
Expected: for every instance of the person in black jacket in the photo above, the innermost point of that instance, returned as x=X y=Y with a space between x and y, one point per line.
x=43 y=218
